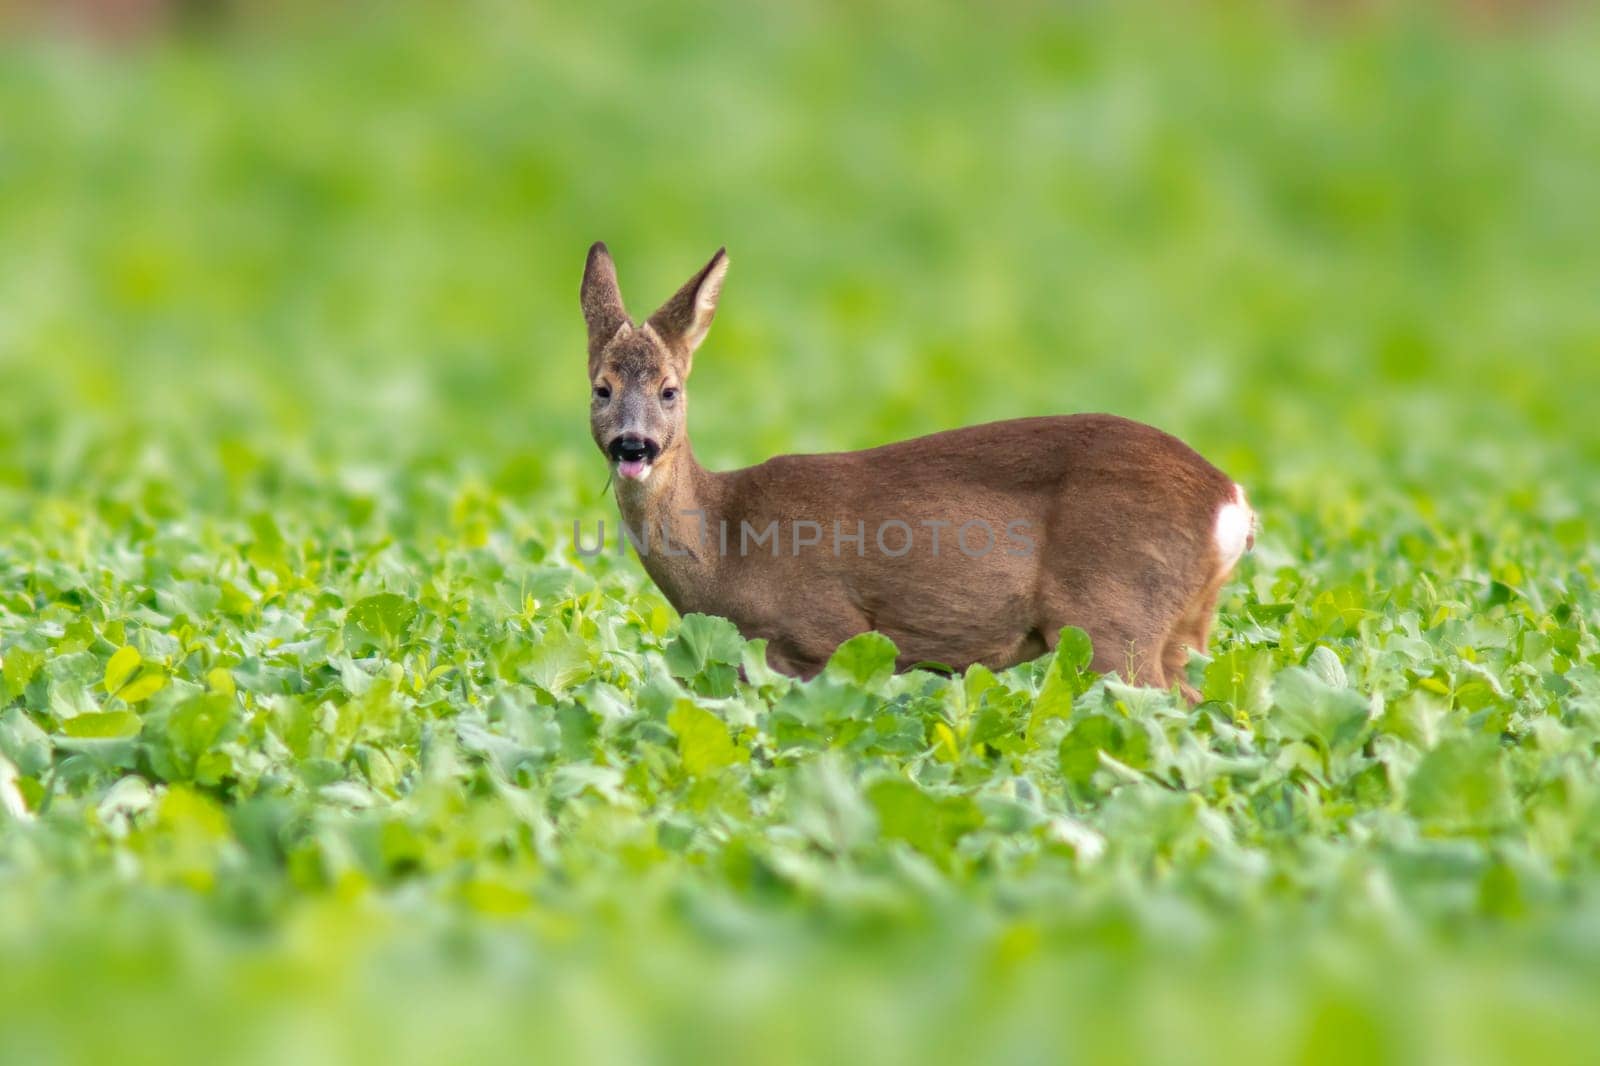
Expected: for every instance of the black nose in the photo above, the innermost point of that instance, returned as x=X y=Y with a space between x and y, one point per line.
x=630 y=448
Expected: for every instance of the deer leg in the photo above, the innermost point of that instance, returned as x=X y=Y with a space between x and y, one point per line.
x=1118 y=649
x=1127 y=630
x=1192 y=630
x=1135 y=659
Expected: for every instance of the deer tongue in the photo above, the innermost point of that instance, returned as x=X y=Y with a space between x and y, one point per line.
x=633 y=469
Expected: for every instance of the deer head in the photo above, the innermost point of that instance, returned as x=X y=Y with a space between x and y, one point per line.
x=639 y=408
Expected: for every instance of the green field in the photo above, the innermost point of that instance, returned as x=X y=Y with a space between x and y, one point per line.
x=318 y=741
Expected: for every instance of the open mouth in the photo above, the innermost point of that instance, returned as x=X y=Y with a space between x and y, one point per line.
x=633 y=456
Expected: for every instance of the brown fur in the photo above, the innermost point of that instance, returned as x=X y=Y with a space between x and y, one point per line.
x=1123 y=516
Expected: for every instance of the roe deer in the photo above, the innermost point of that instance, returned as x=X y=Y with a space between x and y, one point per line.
x=1087 y=520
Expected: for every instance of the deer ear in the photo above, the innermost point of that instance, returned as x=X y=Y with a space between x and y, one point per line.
x=602 y=302
x=684 y=320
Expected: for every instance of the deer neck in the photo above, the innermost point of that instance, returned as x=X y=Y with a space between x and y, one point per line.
x=672 y=518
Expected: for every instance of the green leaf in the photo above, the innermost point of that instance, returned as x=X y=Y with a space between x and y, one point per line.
x=1080 y=749
x=1461 y=784
x=383 y=620
x=1068 y=677
x=866 y=659
x=179 y=739
x=825 y=804
x=559 y=661
x=931 y=824
x=109 y=724
x=24 y=743
x=121 y=667
x=1074 y=651
x=753 y=661
x=707 y=650
x=703 y=741
x=143 y=687
x=1240 y=677
x=1325 y=665
x=21 y=666
x=1308 y=708
x=703 y=640
x=13 y=798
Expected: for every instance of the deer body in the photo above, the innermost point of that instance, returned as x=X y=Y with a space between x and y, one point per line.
x=975 y=545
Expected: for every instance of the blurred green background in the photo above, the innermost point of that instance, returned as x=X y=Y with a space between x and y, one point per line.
x=1359 y=244
x=298 y=287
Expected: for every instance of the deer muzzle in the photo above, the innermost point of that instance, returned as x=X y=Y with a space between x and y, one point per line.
x=633 y=455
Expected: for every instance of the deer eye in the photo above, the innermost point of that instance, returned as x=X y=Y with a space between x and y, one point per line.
x=669 y=394
x=602 y=392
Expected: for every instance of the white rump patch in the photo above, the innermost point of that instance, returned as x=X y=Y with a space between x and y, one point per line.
x=1236 y=526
